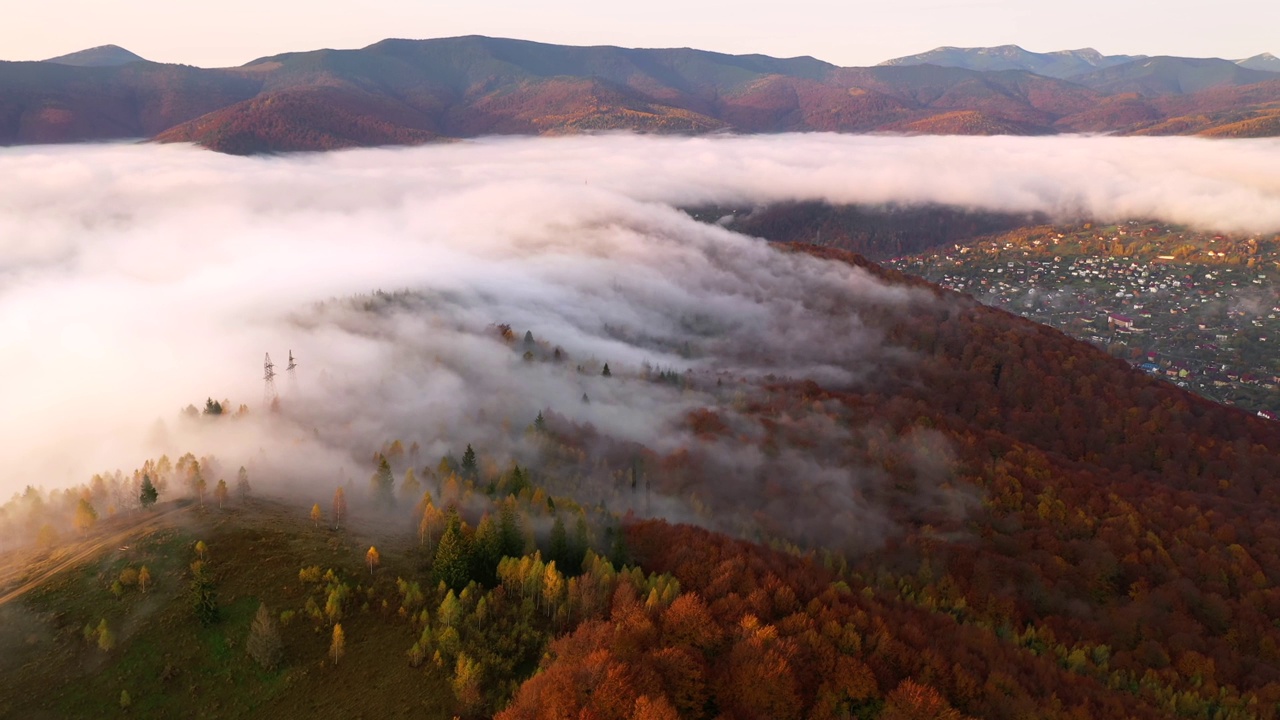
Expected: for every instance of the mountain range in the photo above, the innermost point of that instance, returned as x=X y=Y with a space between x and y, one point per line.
x=1062 y=64
x=414 y=91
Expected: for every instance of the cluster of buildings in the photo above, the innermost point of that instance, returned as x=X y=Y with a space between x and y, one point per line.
x=1211 y=327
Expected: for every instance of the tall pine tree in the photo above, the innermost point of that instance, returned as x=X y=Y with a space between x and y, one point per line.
x=470 y=469
x=383 y=484
x=452 y=564
x=559 y=550
x=486 y=551
x=509 y=531
x=149 y=494
x=578 y=546
x=203 y=598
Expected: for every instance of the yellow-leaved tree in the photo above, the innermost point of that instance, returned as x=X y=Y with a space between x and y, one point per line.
x=86 y=516
x=338 y=647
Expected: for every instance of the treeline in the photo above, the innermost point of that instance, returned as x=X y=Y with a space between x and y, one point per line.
x=45 y=518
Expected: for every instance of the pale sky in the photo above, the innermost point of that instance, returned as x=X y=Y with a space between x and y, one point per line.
x=845 y=32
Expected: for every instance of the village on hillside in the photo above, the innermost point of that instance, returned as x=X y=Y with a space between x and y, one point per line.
x=1201 y=310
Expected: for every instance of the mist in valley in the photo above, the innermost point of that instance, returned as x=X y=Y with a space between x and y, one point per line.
x=138 y=279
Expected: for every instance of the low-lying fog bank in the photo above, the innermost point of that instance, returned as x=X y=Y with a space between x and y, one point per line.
x=137 y=279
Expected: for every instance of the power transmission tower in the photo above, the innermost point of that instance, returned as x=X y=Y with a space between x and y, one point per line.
x=269 y=397
x=293 y=377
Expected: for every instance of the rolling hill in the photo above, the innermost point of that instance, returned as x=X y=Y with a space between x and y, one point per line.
x=407 y=91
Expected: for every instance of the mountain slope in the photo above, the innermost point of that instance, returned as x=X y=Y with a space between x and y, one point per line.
x=320 y=118
x=1217 y=112
x=47 y=102
x=1171 y=76
x=101 y=56
x=1031 y=528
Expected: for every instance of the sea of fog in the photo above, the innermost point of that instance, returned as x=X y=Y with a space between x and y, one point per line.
x=137 y=279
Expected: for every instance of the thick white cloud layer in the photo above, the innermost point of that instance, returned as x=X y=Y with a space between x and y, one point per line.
x=137 y=279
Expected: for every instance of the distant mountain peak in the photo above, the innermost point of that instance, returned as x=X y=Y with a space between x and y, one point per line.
x=1059 y=64
x=1265 y=61
x=101 y=56
x=1083 y=53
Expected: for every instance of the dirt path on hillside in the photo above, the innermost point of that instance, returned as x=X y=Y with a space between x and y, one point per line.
x=88 y=550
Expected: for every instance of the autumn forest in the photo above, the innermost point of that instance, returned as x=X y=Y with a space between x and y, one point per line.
x=1036 y=530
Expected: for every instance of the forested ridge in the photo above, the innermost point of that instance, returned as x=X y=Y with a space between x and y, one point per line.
x=1036 y=530
x=1126 y=539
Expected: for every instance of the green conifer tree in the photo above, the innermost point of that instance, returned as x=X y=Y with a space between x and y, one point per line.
x=509 y=531
x=148 y=494
x=470 y=469
x=452 y=565
x=383 y=484
x=578 y=546
x=204 y=600
x=486 y=551
x=559 y=550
